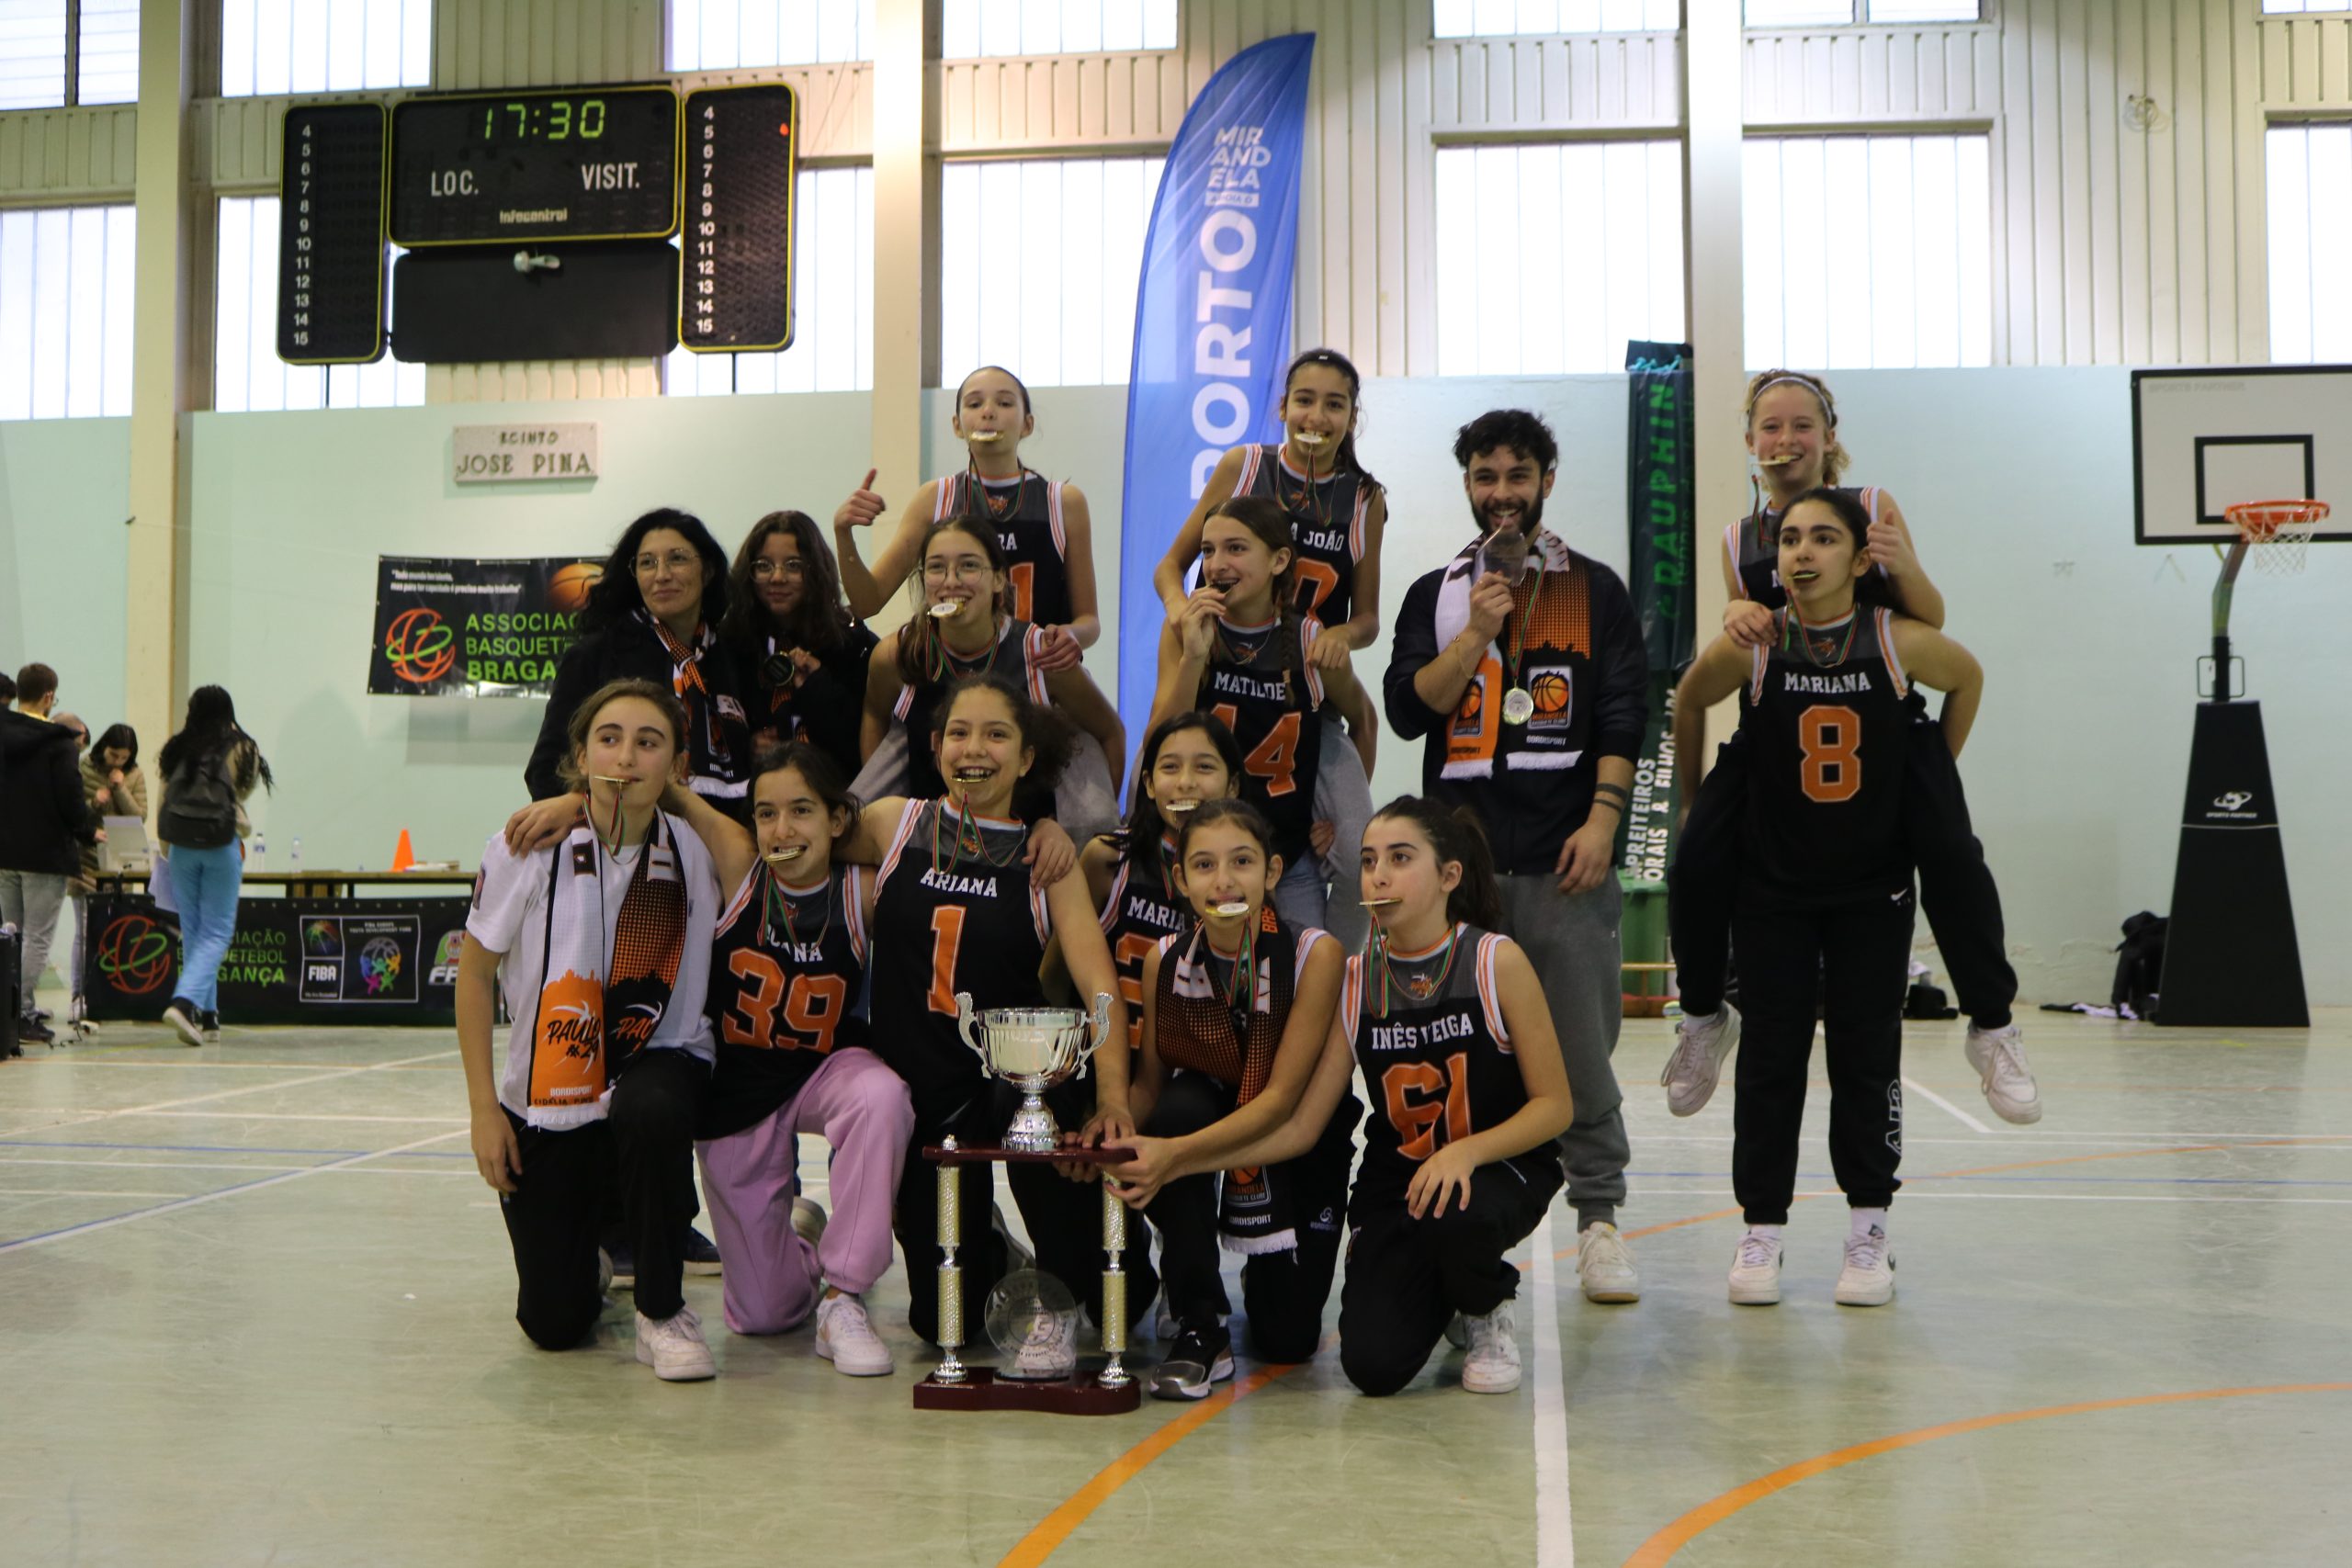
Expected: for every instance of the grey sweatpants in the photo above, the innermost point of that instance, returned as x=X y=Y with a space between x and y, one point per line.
x=30 y=900
x=1573 y=944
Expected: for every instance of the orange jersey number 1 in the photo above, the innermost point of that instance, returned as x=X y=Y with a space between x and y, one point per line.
x=946 y=939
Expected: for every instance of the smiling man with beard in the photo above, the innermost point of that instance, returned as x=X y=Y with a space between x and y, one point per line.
x=1520 y=665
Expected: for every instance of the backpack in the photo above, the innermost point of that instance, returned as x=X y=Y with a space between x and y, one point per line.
x=199 y=806
x=2139 y=964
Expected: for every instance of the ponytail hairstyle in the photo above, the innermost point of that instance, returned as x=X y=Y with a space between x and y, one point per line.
x=1834 y=456
x=1456 y=836
x=1264 y=517
x=1147 y=825
x=1044 y=731
x=1871 y=589
x=975 y=505
x=1334 y=359
x=1235 y=810
x=922 y=655
x=572 y=770
x=818 y=770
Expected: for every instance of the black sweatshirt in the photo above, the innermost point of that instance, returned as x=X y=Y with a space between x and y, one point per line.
x=44 y=817
x=1529 y=814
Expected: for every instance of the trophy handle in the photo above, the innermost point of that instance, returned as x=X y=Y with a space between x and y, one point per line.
x=963 y=1021
x=1098 y=1026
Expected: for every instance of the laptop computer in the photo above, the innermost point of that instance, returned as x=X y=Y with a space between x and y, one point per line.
x=125 y=848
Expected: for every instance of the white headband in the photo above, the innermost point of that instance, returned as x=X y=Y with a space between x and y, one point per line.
x=1828 y=404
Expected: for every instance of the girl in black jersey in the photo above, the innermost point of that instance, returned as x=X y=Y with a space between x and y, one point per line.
x=963 y=626
x=1468 y=1093
x=1792 y=436
x=1238 y=1008
x=1041 y=525
x=1130 y=875
x=960 y=913
x=801 y=653
x=1234 y=650
x=787 y=1003
x=1824 y=905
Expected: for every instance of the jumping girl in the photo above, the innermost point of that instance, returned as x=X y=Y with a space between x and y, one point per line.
x=963 y=626
x=788 y=1000
x=603 y=945
x=1823 y=911
x=1238 y=1009
x=1237 y=649
x=1792 y=437
x=1451 y=1029
x=960 y=912
x=801 y=654
x=1040 y=524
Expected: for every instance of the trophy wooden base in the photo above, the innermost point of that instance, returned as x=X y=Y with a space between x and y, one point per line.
x=982 y=1389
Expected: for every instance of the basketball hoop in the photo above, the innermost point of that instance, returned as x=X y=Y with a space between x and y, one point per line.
x=2277 y=532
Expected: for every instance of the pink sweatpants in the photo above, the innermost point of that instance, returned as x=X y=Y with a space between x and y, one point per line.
x=771 y=1282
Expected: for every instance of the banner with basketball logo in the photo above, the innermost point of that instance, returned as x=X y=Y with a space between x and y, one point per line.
x=369 y=961
x=1212 y=320
x=1661 y=482
x=474 y=628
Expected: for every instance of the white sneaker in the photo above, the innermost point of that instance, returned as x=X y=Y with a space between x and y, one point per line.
x=1868 y=1278
x=1492 y=1366
x=1457 y=1332
x=1756 y=1272
x=1700 y=1046
x=808 y=1220
x=1605 y=1265
x=846 y=1338
x=1998 y=1056
x=673 y=1347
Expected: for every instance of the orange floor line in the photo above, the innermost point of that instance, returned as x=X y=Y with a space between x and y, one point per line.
x=1662 y=1546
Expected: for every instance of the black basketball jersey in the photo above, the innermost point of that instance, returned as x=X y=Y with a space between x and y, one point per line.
x=1262 y=684
x=1327 y=521
x=1014 y=659
x=1026 y=514
x=1825 y=721
x=1753 y=544
x=788 y=988
x=1436 y=1068
x=946 y=923
x=1142 y=909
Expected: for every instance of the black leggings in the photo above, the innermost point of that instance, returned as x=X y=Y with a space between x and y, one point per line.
x=1407 y=1277
x=1956 y=887
x=1064 y=1217
x=643 y=1151
x=1283 y=1292
x=1853 y=963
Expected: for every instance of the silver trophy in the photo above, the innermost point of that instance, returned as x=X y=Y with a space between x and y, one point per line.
x=1034 y=1049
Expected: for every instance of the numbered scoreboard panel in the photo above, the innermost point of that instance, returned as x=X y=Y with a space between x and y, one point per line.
x=331 y=235
x=742 y=158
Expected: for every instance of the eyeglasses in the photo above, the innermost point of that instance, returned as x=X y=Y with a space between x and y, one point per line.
x=676 y=561
x=967 y=570
x=766 y=568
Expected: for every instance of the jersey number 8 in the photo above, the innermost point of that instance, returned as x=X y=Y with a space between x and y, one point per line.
x=1832 y=740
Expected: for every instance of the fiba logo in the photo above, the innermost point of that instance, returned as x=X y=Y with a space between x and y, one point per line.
x=135 y=954
x=444 y=959
x=420 y=646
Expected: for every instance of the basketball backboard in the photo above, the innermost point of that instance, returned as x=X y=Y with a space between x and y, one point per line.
x=2203 y=438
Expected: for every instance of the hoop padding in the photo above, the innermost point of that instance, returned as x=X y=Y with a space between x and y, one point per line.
x=2279 y=532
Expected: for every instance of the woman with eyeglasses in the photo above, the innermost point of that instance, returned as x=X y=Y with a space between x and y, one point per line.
x=800 y=651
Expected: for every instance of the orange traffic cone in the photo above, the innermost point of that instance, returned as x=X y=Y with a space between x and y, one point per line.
x=404 y=856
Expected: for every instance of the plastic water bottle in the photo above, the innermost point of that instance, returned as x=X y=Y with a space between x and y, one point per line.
x=297 y=865
x=257 y=858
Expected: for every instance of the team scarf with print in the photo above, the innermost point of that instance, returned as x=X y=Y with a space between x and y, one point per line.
x=595 y=1009
x=1198 y=1031
x=1554 y=616
x=706 y=739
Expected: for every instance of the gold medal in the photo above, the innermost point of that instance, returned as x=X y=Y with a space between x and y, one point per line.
x=1519 y=706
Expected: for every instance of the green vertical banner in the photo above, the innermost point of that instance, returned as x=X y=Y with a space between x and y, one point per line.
x=1660 y=483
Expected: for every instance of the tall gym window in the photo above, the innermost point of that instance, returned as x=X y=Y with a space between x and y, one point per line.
x=1039 y=266
x=247 y=375
x=2310 y=199
x=1868 y=250
x=1845 y=13
x=65 y=293
x=724 y=35
x=38 y=71
x=972 y=29
x=323 y=46
x=1494 y=18
x=832 y=301
x=1550 y=257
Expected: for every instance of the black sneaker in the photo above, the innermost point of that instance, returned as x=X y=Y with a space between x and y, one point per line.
x=31 y=1031
x=700 y=1252
x=1197 y=1362
x=183 y=1018
x=210 y=1023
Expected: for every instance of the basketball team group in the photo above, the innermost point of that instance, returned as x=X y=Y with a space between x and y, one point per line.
x=770 y=861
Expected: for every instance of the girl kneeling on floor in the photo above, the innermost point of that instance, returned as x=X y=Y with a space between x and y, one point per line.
x=602 y=944
x=788 y=1003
